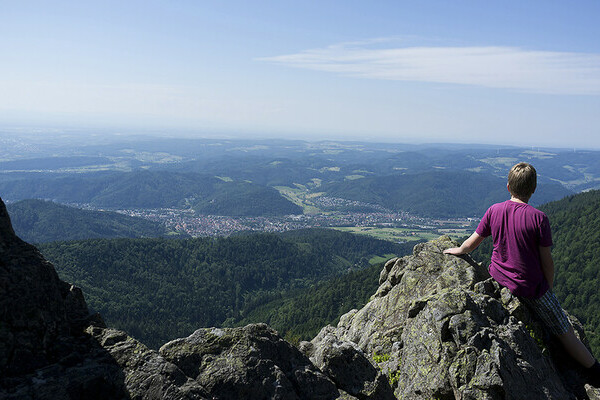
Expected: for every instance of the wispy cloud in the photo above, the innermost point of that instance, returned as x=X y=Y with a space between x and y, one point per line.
x=487 y=66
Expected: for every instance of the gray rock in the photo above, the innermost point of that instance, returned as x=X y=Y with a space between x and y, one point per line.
x=439 y=327
x=105 y=364
x=348 y=367
x=36 y=307
x=252 y=362
x=51 y=348
x=145 y=373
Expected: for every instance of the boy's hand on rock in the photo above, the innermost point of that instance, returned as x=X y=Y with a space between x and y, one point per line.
x=455 y=251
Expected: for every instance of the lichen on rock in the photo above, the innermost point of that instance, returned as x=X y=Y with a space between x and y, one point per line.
x=251 y=362
x=451 y=332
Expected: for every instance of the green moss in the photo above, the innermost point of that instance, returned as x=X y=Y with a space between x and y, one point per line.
x=394 y=378
x=379 y=358
x=538 y=340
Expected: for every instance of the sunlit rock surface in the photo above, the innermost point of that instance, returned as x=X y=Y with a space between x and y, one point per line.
x=439 y=327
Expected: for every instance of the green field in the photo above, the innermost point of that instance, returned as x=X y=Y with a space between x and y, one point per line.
x=456 y=233
x=391 y=234
x=380 y=259
x=299 y=196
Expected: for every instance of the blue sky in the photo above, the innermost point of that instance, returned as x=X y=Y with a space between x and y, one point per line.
x=501 y=72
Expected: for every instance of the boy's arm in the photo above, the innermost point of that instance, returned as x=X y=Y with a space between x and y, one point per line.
x=468 y=245
x=547 y=264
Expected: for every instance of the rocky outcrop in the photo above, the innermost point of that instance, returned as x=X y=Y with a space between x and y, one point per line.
x=143 y=372
x=51 y=348
x=252 y=362
x=347 y=365
x=437 y=327
x=36 y=307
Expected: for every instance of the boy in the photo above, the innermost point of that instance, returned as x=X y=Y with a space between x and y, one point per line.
x=521 y=260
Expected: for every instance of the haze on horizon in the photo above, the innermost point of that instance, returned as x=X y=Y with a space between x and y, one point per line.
x=509 y=72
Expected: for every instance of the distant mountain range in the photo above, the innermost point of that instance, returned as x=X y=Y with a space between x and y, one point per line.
x=38 y=221
x=432 y=194
x=285 y=162
x=437 y=193
x=153 y=189
x=240 y=177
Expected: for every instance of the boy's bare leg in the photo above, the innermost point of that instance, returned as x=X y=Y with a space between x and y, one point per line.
x=577 y=349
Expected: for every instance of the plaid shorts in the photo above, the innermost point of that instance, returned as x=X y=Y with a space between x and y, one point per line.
x=548 y=309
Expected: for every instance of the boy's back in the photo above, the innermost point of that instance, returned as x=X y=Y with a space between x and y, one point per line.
x=518 y=230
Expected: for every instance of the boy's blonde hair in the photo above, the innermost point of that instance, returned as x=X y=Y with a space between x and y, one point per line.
x=522 y=180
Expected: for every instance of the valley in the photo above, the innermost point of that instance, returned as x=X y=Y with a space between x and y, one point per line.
x=217 y=187
x=210 y=203
x=397 y=227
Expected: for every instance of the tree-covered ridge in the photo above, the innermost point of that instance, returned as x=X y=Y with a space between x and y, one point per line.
x=159 y=289
x=575 y=223
x=436 y=193
x=53 y=163
x=154 y=189
x=285 y=162
x=300 y=314
x=38 y=221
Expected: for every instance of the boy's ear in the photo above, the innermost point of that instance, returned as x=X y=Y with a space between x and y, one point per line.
x=508 y=187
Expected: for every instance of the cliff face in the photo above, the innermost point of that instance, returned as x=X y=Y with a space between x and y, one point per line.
x=36 y=306
x=51 y=348
x=437 y=327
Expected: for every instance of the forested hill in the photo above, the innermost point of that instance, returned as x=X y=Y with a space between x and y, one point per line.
x=575 y=223
x=154 y=189
x=159 y=289
x=300 y=314
x=38 y=221
x=437 y=193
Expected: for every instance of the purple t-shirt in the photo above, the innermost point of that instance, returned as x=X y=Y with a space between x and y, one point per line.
x=518 y=230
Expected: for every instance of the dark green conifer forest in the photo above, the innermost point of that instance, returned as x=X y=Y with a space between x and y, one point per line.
x=575 y=222
x=300 y=314
x=160 y=289
x=38 y=221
